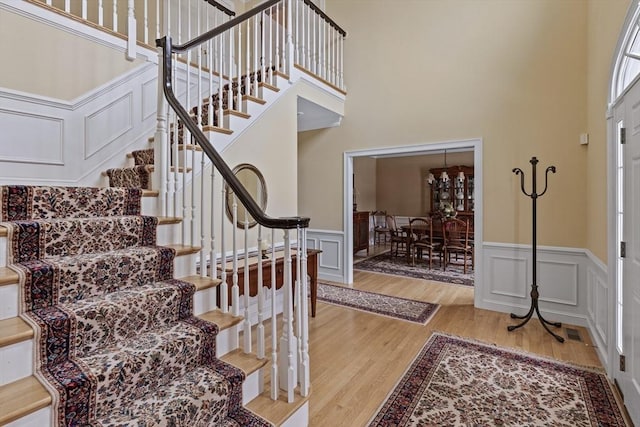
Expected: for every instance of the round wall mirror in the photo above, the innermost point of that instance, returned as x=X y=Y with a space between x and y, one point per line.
x=253 y=181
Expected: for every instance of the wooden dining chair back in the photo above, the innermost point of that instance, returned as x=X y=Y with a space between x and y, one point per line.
x=456 y=241
x=397 y=237
x=380 y=227
x=421 y=240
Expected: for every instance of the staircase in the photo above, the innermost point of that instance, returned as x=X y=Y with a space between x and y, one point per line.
x=116 y=337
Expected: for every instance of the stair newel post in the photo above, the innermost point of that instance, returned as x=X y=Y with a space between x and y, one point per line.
x=260 y=328
x=534 y=286
x=235 y=289
x=288 y=345
x=304 y=370
x=160 y=157
x=298 y=298
x=246 y=326
x=224 y=288
x=275 y=386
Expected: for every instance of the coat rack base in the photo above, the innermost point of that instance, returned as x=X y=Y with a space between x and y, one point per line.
x=527 y=317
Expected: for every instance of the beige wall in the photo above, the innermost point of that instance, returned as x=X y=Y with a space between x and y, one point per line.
x=364 y=179
x=79 y=67
x=401 y=181
x=510 y=72
x=605 y=19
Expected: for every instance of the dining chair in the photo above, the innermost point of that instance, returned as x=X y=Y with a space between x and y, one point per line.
x=456 y=241
x=380 y=227
x=397 y=237
x=421 y=240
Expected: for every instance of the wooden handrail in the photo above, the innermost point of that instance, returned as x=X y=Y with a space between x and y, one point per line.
x=324 y=16
x=222 y=28
x=220 y=7
x=239 y=190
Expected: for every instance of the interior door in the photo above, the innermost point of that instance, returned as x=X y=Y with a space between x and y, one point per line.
x=629 y=322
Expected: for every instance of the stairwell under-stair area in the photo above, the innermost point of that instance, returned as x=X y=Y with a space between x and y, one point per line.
x=122 y=305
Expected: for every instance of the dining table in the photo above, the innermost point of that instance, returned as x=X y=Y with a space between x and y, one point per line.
x=421 y=230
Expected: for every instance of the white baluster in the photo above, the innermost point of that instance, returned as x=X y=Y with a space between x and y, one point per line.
x=262 y=246
x=230 y=89
x=158 y=18
x=237 y=106
x=275 y=388
x=115 y=15
x=212 y=256
x=84 y=9
x=263 y=75
x=246 y=326
x=132 y=30
x=288 y=341
x=256 y=25
x=220 y=111
x=203 y=249
x=224 y=293
x=145 y=19
x=276 y=24
x=305 y=375
x=299 y=301
x=235 y=290
x=247 y=77
x=100 y=13
x=67 y=6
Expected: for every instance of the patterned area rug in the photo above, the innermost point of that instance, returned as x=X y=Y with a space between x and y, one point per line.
x=385 y=305
x=454 y=381
x=398 y=266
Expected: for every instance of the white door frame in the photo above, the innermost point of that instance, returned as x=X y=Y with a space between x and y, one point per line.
x=474 y=144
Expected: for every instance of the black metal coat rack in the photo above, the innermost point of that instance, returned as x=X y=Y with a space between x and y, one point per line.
x=534 y=286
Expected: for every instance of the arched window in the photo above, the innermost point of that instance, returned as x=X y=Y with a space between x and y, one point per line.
x=627 y=64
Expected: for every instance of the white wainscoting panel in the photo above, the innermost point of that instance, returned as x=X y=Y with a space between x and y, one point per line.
x=149 y=98
x=510 y=276
x=561 y=277
x=31 y=138
x=106 y=125
x=600 y=298
x=331 y=243
x=558 y=282
x=64 y=138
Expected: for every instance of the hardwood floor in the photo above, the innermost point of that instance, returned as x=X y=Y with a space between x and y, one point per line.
x=357 y=358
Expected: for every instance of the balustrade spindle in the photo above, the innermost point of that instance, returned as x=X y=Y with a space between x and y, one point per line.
x=235 y=290
x=260 y=328
x=67 y=6
x=213 y=273
x=246 y=325
x=275 y=377
x=288 y=343
x=236 y=106
x=114 y=12
x=224 y=289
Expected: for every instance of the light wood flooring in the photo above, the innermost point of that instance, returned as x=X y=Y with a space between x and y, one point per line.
x=357 y=358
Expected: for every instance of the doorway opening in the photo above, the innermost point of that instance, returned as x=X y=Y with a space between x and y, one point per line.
x=437 y=148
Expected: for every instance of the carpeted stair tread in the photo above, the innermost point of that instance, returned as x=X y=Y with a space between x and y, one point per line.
x=104 y=321
x=41 y=239
x=138 y=366
x=143 y=157
x=21 y=202
x=133 y=177
x=67 y=279
x=196 y=399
